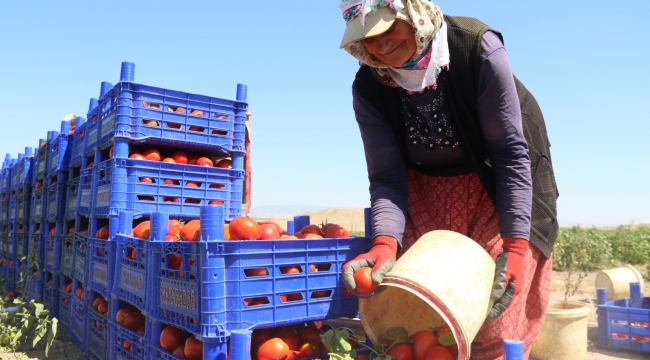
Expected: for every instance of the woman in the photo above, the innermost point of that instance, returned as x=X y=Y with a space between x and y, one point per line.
x=453 y=141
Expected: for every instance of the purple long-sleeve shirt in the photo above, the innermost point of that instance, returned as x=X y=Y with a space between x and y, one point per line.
x=431 y=141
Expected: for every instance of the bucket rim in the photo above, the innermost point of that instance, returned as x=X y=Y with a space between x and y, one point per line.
x=581 y=310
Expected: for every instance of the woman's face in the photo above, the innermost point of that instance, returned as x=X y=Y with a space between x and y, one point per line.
x=395 y=46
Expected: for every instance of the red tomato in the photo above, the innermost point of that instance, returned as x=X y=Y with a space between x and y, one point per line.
x=289 y=336
x=180 y=157
x=90 y=165
x=175 y=261
x=401 y=351
x=196 y=112
x=422 y=341
x=363 y=280
x=111 y=152
x=453 y=350
x=256 y=272
x=171 y=182
x=169 y=160
x=215 y=202
x=273 y=349
x=136 y=156
x=193 y=349
x=179 y=351
x=152 y=155
x=192 y=159
x=204 y=161
x=146 y=180
x=436 y=352
x=171 y=338
x=336 y=231
x=191 y=231
x=102 y=233
x=224 y=164
x=150 y=122
x=244 y=228
x=142 y=230
x=311 y=229
x=174 y=228
x=269 y=232
x=277 y=227
x=290 y=270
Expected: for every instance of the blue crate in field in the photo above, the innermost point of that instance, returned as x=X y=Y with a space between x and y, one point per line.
x=12 y=271
x=23 y=203
x=60 y=150
x=139 y=343
x=78 y=317
x=21 y=173
x=4 y=217
x=141 y=113
x=42 y=158
x=72 y=189
x=101 y=256
x=38 y=209
x=78 y=143
x=85 y=189
x=35 y=290
x=65 y=302
x=624 y=324
x=212 y=348
x=98 y=330
x=51 y=293
x=4 y=237
x=140 y=186
x=52 y=234
x=67 y=246
x=13 y=207
x=80 y=250
x=56 y=197
x=92 y=124
x=5 y=175
x=211 y=290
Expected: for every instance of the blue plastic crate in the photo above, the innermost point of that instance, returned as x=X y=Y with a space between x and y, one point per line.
x=139 y=344
x=211 y=292
x=78 y=317
x=72 y=189
x=159 y=116
x=130 y=282
x=101 y=256
x=56 y=197
x=67 y=246
x=35 y=290
x=65 y=303
x=42 y=159
x=92 y=126
x=80 y=250
x=21 y=244
x=119 y=186
x=60 y=150
x=4 y=216
x=51 y=293
x=78 y=143
x=4 y=237
x=624 y=324
x=23 y=206
x=85 y=200
x=189 y=120
x=12 y=270
x=212 y=348
x=13 y=207
x=38 y=208
x=52 y=234
x=5 y=175
x=21 y=173
x=98 y=331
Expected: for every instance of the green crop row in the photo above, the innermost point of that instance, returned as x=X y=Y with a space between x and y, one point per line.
x=592 y=249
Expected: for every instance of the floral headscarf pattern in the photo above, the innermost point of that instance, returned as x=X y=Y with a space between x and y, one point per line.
x=423 y=15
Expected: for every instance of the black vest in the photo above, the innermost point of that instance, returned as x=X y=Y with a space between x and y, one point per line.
x=461 y=84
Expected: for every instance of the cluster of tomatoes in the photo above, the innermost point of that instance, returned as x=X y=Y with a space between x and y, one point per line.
x=131 y=318
x=244 y=228
x=298 y=341
x=181 y=343
x=424 y=345
x=175 y=157
x=101 y=305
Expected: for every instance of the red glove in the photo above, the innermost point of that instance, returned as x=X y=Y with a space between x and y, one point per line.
x=509 y=277
x=381 y=257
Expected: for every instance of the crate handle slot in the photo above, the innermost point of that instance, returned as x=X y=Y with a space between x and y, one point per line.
x=195 y=128
x=319 y=294
x=291 y=297
x=175 y=126
x=176 y=109
x=150 y=105
x=196 y=112
x=257 y=301
x=219 y=132
x=291 y=269
x=256 y=272
x=150 y=122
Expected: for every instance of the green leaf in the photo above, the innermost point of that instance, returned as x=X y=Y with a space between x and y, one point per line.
x=446 y=338
x=38 y=309
x=396 y=335
x=51 y=334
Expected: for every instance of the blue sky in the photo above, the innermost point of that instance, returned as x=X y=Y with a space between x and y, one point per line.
x=585 y=62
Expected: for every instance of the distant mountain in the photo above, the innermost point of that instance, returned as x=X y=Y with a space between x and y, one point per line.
x=282 y=211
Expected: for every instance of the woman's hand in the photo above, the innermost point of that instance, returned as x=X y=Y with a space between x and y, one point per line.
x=381 y=258
x=508 y=280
